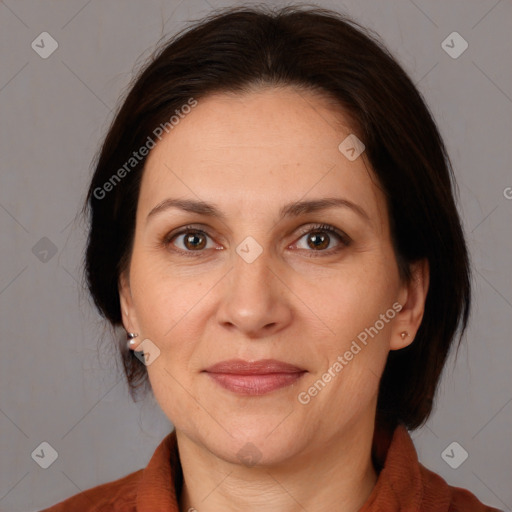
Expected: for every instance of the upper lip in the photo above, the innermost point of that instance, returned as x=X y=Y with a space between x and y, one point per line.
x=261 y=367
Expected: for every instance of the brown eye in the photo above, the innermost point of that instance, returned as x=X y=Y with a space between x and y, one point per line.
x=194 y=241
x=320 y=237
x=189 y=240
x=318 y=240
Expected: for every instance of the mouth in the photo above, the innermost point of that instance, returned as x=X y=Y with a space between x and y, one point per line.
x=254 y=378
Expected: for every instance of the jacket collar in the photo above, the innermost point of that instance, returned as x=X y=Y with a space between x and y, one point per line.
x=159 y=488
x=399 y=484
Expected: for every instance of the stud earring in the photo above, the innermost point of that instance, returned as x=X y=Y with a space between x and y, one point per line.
x=404 y=334
x=131 y=340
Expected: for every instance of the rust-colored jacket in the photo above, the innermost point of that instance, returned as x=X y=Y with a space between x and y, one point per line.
x=403 y=484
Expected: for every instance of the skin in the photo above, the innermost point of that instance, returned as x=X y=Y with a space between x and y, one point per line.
x=250 y=154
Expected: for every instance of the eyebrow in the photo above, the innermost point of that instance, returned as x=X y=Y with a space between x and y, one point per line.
x=294 y=209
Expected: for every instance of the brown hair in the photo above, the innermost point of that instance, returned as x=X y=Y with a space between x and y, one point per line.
x=237 y=49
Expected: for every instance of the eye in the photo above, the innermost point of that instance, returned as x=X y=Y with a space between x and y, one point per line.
x=188 y=240
x=320 y=236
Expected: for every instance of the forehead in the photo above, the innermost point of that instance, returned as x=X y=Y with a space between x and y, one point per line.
x=260 y=148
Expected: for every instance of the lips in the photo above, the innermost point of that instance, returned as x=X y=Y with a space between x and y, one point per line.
x=261 y=367
x=254 y=378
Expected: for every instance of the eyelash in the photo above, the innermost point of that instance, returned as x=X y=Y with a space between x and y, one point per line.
x=344 y=238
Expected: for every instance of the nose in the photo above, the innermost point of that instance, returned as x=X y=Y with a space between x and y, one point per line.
x=255 y=299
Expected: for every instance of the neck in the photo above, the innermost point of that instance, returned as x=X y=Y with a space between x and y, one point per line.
x=334 y=475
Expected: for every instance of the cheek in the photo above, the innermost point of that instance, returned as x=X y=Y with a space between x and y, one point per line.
x=352 y=299
x=166 y=305
x=353 y=359
x=356 y=309
x=161 y=298
x=172 y=391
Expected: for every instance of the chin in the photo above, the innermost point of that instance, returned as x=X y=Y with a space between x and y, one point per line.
x=253 y=446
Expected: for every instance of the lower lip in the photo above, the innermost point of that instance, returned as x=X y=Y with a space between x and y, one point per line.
x=255 y=384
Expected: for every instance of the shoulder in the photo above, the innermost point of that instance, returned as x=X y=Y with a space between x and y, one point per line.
x=455 y=499
x=118 y=495
x=151 y=488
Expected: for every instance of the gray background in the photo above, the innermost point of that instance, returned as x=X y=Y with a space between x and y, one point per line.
x=59 y=380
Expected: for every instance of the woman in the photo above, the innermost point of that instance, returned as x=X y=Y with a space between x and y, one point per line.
x=273 y=224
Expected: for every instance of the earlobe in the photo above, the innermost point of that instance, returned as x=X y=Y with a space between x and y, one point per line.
x=414 y=295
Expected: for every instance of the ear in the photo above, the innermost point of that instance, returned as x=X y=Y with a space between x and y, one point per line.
x=412 y=299
x=126 y=303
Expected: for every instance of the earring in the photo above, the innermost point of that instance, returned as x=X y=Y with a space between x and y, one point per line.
x=131 y=340
x=404 y=334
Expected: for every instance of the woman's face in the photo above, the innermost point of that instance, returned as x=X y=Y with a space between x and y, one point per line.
x=259 y=280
